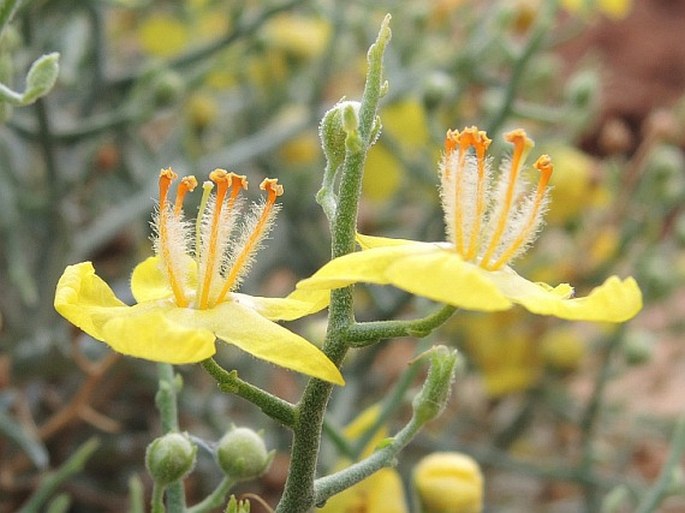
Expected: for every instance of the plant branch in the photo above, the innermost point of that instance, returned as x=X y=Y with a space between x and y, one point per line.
x=229 y=382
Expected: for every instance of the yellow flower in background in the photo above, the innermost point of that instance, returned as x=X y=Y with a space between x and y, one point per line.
x=505 y=352
x=490 y=221
x=384 y=171
x=297 y=35
x=186 y=299
x=382 y=492
x=449 y=482
x=615 y=9
x=383 y=175
x=163 y=36
x=573 y=188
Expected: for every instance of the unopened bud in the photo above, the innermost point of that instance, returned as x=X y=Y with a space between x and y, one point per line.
x=242 y=454
x=449 y=482
x=638 y=347
x=170 y=457
x=41 y=77
x=237 y=506
x=334 y=128
x=432 y=399
x=582 y=89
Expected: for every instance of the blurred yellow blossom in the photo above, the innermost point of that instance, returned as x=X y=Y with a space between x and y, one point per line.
x=503 y=349
x=562 y=349
x=185 y=298
x=301 y=149
x=573 y=186
x=490 y=221
x=615 y=9
x=405 y=121
x=163 y=35
x=449 y=482
x=297 y=35
x=383 y=174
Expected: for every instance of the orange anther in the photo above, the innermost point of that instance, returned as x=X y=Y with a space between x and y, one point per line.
x=451 y=140
x=166 y=177
x=188 y=184
x=544 y=165
x=272 y=186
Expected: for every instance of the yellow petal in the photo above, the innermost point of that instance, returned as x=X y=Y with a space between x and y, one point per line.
x=149 y=283
x=159 y=333
x=615 y=300
x=423 y=269
x=288 y=308
x=243 y=327
x=371 y=241
x=85 y=300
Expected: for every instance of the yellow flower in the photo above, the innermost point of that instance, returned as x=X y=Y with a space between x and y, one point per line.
x=185 y=302
x=449 y=482
x=490 y=221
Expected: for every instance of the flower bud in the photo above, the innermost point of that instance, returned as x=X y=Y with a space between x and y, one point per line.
x=237 y=506
x=170 y=457
x=334 y=129
x=582 y=89
x=431 y=400
x=241 y=454
x=41 y=77
x=448 y=482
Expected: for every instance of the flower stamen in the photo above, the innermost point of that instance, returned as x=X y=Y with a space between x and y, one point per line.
x=188 y=184
x=221 y=178
x=544 y=165
x=521 y=147
x=480 y=141
x=274 y=190
x=166 y=177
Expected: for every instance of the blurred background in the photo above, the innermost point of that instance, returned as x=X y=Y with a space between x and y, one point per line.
x=560 y=416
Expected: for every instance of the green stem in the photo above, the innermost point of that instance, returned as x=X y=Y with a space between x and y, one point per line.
x=229 y=382
x=335 y=483
x=215 y=499
x=651 y=500
x=362 y=334
x=53 y=480
x=157 y=499
x=7 y=10
x=591 y=415
x=167 y=404
x=298 y=496
x=393 y=400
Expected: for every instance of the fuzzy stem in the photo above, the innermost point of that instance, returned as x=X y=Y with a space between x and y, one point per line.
x=298 y=496
x=167 y=405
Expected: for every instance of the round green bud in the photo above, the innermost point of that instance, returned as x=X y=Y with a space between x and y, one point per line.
x=170 y=458
x=242 y=454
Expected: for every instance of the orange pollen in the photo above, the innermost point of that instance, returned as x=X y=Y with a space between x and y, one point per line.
x=274 y=190
x=166 y=177
x=188 y=184
x=451 y=140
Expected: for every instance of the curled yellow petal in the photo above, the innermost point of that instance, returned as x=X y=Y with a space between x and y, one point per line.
x=243 y=327
x=85 y=300
x=615 y=300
